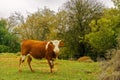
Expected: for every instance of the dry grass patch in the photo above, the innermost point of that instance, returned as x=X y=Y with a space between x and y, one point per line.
x=111 y=69
x=85 y=59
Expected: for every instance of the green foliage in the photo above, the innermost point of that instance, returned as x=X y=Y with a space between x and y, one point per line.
x=104 y=32
x=4 y=48
x=8 y=41
x=79 y=14
x=102 y=40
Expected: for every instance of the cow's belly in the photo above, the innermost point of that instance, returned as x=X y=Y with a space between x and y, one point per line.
x=37 y=55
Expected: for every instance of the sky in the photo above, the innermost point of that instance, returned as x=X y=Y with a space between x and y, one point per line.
x=107 y=3
x=8 y=7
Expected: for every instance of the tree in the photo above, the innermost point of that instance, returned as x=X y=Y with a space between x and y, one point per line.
x=38 y=25
x=80 y=14
x=116 y=3
x=101 y=41
x=116 y=22
x=8 y=41
x=16 y=19
x=104 y=32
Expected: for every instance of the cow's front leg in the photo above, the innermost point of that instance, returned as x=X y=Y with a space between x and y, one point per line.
x=22 y=59
x=51 y=64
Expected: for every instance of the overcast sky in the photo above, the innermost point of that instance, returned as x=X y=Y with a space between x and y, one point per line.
x=7 y=7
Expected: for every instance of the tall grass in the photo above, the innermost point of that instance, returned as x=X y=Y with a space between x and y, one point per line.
x=111 y=69
x=64 y=70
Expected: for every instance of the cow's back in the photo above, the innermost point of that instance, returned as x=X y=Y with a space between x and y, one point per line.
x=34 y=48
x=27 y=44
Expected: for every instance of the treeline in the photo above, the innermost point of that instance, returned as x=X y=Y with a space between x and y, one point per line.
x=8 y=41
x=87 y=28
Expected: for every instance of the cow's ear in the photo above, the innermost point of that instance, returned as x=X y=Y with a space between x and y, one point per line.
x=51 y=43
x=61 y=44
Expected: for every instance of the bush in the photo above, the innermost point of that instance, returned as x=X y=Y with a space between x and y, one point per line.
x=4 y=48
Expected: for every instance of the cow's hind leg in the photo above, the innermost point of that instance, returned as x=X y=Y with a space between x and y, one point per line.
x=22 y=59
x=29 y=59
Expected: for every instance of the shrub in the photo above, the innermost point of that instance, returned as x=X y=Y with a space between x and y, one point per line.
x=4 y=48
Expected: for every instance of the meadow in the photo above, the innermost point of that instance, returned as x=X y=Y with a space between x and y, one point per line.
x=63 y=70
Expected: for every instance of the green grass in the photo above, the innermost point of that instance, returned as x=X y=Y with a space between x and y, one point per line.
x=63 y=70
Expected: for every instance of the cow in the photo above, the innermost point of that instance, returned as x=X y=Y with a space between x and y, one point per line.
x=38 y=50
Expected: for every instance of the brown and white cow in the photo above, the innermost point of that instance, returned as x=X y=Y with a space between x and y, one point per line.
x=39 y=50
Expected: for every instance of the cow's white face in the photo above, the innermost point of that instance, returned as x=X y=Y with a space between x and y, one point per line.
x=56 y=45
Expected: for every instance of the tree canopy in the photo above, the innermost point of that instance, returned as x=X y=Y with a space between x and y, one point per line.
x=8 y=41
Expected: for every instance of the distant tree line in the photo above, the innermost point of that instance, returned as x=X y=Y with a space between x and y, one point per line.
x=87 y=28
x=8 y=41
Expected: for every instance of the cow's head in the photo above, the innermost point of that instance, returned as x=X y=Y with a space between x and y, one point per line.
x=56 y=44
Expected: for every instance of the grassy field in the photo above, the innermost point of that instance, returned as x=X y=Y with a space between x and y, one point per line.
x=64 y=70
